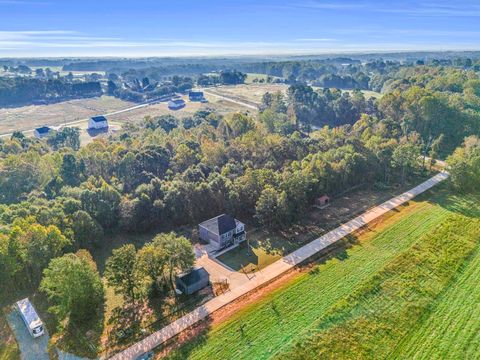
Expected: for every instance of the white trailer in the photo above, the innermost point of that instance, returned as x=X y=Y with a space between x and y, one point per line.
x=30 y=318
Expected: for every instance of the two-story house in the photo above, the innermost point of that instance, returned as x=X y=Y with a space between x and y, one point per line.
x=222 y=231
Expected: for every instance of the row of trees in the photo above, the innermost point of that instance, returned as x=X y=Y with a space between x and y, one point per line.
x=24 y=90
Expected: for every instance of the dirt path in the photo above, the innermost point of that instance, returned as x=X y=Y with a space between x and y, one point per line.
x=274 y=270
x=231 y=99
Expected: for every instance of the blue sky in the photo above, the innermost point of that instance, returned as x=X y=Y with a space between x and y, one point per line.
x=241 y=27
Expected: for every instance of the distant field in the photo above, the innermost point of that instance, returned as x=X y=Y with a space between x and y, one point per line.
x=250 y=92
x=368 y=93
x=253 y=91
x=221 y=106
x=63 y=73
x=28 y=117
x=271 y=326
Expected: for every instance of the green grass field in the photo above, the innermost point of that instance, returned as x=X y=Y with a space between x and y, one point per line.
x=274 y=324
x=371 y=321
x=452 y=329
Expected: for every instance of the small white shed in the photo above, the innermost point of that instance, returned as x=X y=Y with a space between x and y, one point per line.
x=97 y=122
x=42 y=131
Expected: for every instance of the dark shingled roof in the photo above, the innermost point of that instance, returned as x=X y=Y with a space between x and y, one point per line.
x=99 y=118
x=220 y=224
x=43 y=129
x=194 y=276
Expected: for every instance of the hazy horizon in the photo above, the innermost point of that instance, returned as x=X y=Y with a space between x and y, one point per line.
x=54 y=28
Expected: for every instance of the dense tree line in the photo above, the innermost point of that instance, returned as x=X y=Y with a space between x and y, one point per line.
x=132 y=89
x=313 y=109
x=465 y=166
x=24 y=90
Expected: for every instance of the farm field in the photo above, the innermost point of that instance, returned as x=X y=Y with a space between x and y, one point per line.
x=253 y=92
x=452 y=330
x=249 y=92
x=221 y=106
x=28 y=117
x=272 y=325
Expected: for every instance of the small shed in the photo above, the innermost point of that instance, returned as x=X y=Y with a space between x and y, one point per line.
x=195 y=95
x=42 y=131
x=176 y=104
x=190 y=282
x=97 y=122
x=322 y=202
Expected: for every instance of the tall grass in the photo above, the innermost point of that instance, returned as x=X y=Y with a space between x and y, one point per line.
x=371 y=321
x=452 y=329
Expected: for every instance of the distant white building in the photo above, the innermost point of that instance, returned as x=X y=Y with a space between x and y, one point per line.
x=97 y=123
x=42 y=131
x=176 y=104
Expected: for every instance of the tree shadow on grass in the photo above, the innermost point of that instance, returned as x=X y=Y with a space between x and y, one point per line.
x=82 y=337
x=464 y=204
x=338 y=250
x=124 y=327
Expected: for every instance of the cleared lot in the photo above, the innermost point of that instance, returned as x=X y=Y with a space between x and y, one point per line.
x=29 y=117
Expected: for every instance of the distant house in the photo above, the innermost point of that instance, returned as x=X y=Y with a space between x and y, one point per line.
x=196 y=96
x=42 y=131
x=97 y=123
x=192 y=281
x=222 y=231
x=176 y=104
x=322 y=202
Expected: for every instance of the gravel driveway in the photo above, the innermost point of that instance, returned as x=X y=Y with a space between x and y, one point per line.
x=30 y=348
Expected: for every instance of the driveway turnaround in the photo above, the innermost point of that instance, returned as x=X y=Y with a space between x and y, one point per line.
x=274 y=270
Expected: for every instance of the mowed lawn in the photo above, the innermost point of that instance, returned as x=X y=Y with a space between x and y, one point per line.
x=272 y=325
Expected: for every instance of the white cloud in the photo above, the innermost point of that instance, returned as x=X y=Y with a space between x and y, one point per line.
x=412 y=8
x=72 y=43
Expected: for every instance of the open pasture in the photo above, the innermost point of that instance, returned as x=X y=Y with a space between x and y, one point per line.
x=28 y=117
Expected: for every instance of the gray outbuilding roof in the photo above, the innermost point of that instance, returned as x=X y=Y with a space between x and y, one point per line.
x=43 y=129
x=99 y=118
x=193 y=276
